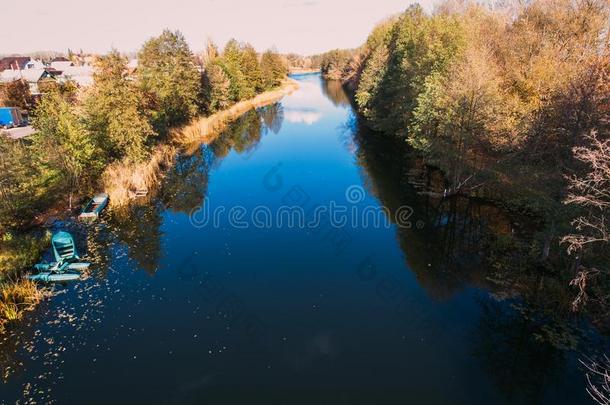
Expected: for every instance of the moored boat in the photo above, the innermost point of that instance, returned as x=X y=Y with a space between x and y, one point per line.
x=64 y=248
x=94 y=207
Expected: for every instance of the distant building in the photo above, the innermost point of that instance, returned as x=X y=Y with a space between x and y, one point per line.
x=60 y=64
x=20 y=63
x=33 y=77
x=81 y=75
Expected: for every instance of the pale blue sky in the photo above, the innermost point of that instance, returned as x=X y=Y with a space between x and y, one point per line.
x=304 y=26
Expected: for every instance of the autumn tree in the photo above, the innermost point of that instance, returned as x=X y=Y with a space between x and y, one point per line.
x=68 y=88
x=15 y=94
x=209 y=54
x=333 y=63
x=166 y=70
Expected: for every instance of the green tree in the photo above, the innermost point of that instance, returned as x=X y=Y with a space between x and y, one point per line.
x=370 y=80
x=166 y=70
x=216 y=88
x=117 y=115
x=273 y=68
x=251 y=68
x=232 y=65
x=20 y=184
x=63 y=147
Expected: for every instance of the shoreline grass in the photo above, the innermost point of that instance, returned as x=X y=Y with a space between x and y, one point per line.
x=17 y=294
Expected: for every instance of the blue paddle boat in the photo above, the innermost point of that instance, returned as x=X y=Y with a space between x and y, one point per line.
x=65 y=267
x=71 y=266
x=55 y=272
x=49 y=277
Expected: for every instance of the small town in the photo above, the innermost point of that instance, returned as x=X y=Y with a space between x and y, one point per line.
x=25 y=78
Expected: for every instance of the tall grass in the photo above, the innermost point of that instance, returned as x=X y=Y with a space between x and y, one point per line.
x=16 y=297
x=17 y=294
x=122 y=180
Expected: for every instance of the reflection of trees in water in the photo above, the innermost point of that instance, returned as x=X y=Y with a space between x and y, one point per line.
x=139 y=227
x=100 y=239
x=507 y=343
x=186 y=183
x=432 y=250
x=246 y=132
x=461 y=241
x=470 y=242
x=273 y=117
x=333 y=89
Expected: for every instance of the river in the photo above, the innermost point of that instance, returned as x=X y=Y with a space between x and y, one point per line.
x=212 y=291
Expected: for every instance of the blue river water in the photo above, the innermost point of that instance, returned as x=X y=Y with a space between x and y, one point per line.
x=231 y=285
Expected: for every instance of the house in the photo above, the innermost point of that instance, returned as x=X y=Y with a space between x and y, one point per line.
x=32 y=76
x=34 y=64
x=61 y=64
x=81 y=75
x=14 y=62
x=20 y=63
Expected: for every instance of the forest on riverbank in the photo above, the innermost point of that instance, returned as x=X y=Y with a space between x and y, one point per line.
x=511 y=103
x=85 y=137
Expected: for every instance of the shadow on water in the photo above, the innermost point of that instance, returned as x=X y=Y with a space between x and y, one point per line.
x=527 y=337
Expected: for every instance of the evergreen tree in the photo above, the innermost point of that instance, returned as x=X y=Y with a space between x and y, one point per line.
x=232 y=65
x=251 y=68
x=20 y=184
x=216 y=88
x=273 y=68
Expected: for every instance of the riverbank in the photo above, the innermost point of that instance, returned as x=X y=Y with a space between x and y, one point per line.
x=122 y=182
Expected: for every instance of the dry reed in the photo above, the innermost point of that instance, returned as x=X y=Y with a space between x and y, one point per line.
x=123 y=181
x=16 y=297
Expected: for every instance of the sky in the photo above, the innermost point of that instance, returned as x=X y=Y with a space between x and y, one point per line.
x=301 y=26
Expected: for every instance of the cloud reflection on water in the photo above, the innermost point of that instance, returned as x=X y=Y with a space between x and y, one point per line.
x=307 y=117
